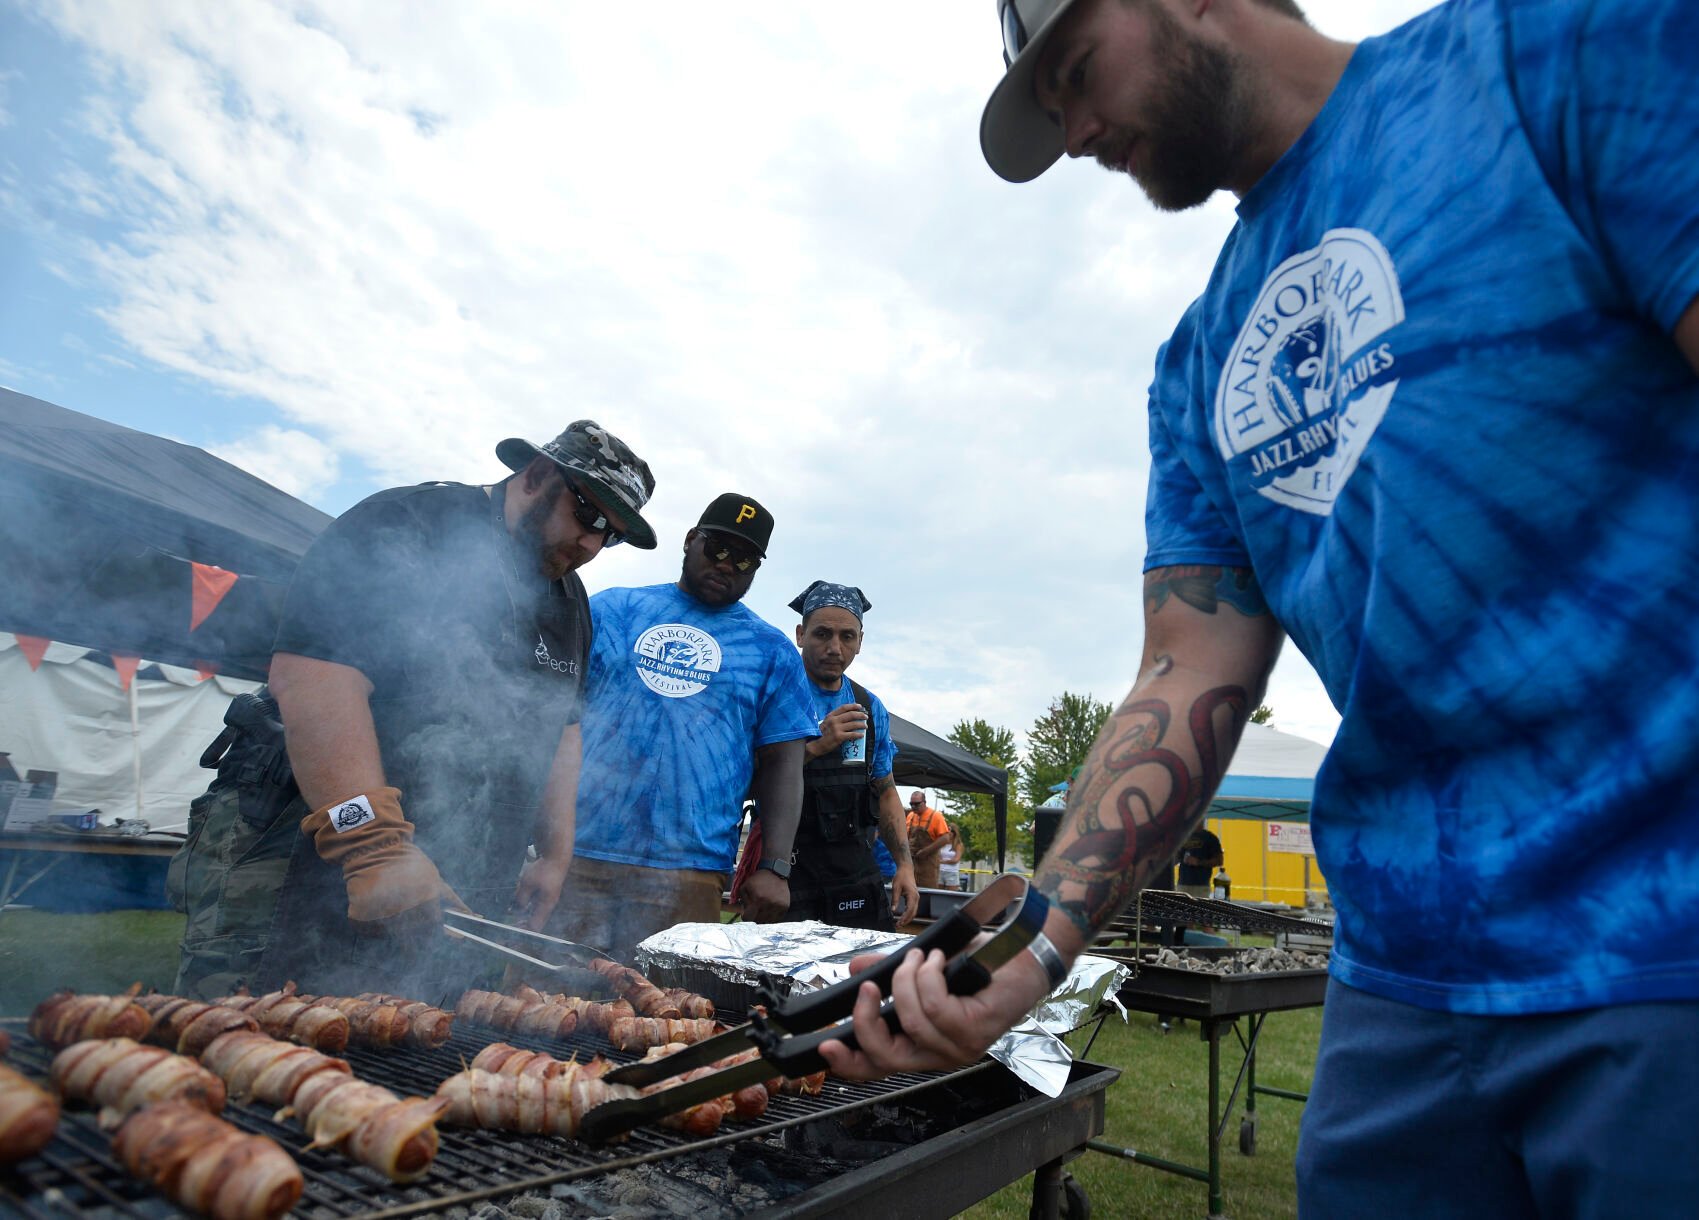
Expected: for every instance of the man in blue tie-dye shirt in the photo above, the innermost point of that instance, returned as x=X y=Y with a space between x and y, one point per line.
x=693 y=700
x=1436 y=418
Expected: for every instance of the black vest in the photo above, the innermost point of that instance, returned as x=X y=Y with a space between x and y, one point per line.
x=840 y=814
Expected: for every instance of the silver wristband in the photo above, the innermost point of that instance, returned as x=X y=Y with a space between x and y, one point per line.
x=1044 y=949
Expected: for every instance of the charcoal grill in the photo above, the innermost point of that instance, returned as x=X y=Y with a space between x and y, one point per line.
x=1217 y=1002
x=1015 y=1133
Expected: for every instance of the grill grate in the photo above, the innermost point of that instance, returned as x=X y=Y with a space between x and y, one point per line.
x=77 y=1174
x=1174 y=907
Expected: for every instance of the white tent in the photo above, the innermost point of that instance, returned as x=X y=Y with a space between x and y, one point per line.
x=129 y=755
x=1271 y=765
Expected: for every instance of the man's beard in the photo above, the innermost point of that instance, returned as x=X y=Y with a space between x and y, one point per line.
x=553 y=562
x=1194 y=131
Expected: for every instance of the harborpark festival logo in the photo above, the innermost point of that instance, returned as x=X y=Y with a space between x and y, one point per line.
x=677 y=660
x=1309 y=378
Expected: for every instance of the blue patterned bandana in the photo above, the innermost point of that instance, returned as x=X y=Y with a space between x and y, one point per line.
x=823 y=593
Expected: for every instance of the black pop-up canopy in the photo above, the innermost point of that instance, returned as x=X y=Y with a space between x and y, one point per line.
x=100 y=526
x=928 y=761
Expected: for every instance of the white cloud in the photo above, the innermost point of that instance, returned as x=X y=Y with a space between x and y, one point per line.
x=289 y=460
x=762 y=247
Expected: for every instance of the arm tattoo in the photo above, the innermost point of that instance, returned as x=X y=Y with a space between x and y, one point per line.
x=1135 y=802
x=881 y=784
x=1205 y=589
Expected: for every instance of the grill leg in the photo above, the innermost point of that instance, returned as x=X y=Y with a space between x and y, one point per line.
x=1216 y=1200
x=1047 y=1191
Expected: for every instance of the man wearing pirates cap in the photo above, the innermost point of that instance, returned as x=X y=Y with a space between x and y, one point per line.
x=429 y=673
x=694 y=701
x=847 y=789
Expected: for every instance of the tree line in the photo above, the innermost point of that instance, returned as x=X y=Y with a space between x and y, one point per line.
x=1057 y=743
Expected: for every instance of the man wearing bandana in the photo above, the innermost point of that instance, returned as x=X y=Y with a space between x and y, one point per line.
x=847 y=788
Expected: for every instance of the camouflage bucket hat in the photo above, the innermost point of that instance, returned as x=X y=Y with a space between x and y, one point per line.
x=601 y=463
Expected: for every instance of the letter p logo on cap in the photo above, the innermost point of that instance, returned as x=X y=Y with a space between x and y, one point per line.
x=746 y=513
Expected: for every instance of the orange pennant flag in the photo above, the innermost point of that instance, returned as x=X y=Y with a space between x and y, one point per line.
x=126 y=667
x=205 y=669
x=34 y=647
x=210 y=586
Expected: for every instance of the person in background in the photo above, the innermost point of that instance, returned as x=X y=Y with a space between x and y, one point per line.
x=693 y=701
x=1200 y=856
x=428 y=674
x=848 y=794
x=928 y=835
x=949 y=861
x=1436 y=417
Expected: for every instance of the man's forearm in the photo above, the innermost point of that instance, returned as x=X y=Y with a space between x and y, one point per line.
x=777 y=788
x=327 y=728
x=893 y=823
x=1143 y=788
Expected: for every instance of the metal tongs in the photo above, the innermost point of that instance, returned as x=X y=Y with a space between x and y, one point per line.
x=571 y=974
x=789 y=1032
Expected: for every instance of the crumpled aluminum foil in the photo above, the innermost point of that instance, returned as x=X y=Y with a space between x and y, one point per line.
x=809 y=955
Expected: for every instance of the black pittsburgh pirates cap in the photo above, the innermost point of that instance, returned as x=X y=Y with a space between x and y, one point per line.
x=736 y=514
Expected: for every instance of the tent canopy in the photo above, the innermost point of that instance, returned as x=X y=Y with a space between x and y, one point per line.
x=1271 y=777
x=99 y=525
x=926 y=760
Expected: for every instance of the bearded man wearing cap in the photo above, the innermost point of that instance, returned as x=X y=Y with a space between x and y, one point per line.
x=429 y=672
x=694 y=701
x=1436 y=417
x=848 y=792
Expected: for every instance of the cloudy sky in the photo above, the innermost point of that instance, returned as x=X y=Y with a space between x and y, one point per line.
x=351 y=245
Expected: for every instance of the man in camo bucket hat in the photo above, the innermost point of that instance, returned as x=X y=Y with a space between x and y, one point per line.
x=428 y=673
x=594 y=458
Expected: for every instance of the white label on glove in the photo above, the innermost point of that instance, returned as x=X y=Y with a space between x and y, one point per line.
x=350 y=814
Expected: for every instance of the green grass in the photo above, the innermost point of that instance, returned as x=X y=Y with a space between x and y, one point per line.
x=42 y=952
x=1158 y=1106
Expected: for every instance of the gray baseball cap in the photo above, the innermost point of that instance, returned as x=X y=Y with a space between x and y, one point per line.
x=1018 y=139
x=595 y=458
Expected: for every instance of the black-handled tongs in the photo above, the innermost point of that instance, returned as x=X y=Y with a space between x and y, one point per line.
x=788 y=1033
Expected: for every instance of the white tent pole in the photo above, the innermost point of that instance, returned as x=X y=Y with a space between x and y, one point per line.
x=136 y=744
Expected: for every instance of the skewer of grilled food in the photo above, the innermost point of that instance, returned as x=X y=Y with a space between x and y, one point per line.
x=121 y=1075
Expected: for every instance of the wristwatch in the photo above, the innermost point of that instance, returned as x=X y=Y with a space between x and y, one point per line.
x=778 y=866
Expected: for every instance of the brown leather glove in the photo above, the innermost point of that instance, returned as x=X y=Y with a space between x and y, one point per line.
x=385 y=873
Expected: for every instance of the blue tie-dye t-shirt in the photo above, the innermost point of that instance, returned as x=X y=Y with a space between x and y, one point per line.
x=679 y=698
x=1430 y=395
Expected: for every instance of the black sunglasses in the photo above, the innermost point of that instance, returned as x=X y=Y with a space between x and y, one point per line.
x=719 y=552
x=1014 y=33
x=591 y=517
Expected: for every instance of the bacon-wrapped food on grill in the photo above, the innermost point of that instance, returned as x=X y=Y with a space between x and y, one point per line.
x=426 y=1026
x=689 y=1004
x=283 y=1014
x=189 y=1026
x=377 y=1024
x=259 y=1066
x=63 y=1018
x=122 y=1075
x=28 y=1116
x=397 y=1136
x=641 y=1033
x=205 y=1164
x=506 y=1060
x=745 y=1103
x=533 y=1104
x=648 y=999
